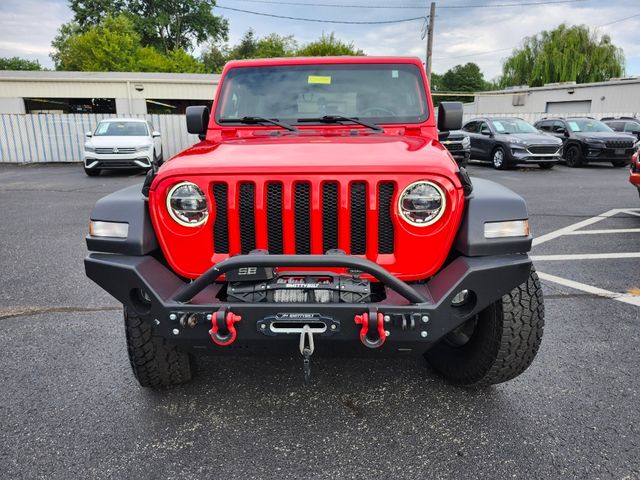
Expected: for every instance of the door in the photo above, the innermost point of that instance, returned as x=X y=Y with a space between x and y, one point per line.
x=559 y=129
x=471 y=129
x=485 y=141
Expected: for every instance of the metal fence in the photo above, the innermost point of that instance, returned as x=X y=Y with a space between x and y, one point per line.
x=60 y=137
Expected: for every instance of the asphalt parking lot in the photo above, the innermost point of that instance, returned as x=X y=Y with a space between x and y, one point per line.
x=70 y=407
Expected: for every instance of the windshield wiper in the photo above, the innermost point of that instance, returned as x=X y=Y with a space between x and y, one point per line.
x=340 y=118
x=258 y=120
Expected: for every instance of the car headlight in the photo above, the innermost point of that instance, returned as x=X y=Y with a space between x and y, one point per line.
x=422 y=203
x=594 y=141
x=89 y=148
x=187 y=204
x=466 y=142
x=142 y=148
x=517 y=145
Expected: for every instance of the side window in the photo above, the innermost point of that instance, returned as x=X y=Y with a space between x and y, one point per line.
x=544 y=126
x=617 y=126
x=471 y=127
x=631 y=127
x=558 y=127
x=483 y=126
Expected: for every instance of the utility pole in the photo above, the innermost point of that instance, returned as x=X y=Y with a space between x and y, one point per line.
x=432 y=18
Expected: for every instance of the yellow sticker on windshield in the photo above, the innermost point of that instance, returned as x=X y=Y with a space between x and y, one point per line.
x=319 y=79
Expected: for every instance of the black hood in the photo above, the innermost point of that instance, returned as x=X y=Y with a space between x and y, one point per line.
x=604 y=136
x=457 y=135
x=530 y=138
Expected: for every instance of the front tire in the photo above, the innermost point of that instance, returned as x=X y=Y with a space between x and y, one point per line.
x=499 y=159
x=498 y=344
x=573 y=157
x=155 y=363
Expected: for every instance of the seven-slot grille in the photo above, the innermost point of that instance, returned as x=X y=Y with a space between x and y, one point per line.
x=619 y=143
x=327 y=198
x=543 y=149
x=116 y=150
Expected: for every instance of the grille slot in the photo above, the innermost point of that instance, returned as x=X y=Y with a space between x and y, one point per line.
x=358 y=218
x=221 y=225
x=247 y=217
x=543 y=149
x=120 y=150
x=619 y=143
x=386 y=234
x=274 y=218
x=329 y=216
x=302 y=215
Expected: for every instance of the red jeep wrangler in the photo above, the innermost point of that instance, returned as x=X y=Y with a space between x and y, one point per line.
x=634 y=173
x=320 y=213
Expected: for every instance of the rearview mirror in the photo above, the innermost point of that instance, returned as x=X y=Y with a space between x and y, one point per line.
x=197 y=119
x=450 y=116
x=155 y=134
x=88 y=134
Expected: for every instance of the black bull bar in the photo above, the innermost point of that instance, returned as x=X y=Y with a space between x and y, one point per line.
x=412 y=316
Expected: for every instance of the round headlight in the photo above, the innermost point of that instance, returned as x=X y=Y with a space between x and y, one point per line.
x=187 y=204
x=422 y=203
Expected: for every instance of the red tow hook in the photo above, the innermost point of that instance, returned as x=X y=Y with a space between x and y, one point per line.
x=369 y=329
x=223 y=320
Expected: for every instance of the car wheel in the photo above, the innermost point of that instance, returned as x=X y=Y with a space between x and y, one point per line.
x=499 y=159
x=573 y=157
x=92 y=172
x=155 y=362
x=160 y=159
x=546 y=166
x=620 y=163
x=498 y=344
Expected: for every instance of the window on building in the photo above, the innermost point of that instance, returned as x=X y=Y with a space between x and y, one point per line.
x=173 y=107
x=70 y=105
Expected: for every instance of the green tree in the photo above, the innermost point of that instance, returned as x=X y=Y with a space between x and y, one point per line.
x=328 y=45
x=461 y=78
x=163 y=24
x=214 y=58
x=565 y=54
x=114 y=45
x=17 y=63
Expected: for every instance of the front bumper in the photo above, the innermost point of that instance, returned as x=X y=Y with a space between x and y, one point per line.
x=114 y=161
x=598 y=154
x=416 y=316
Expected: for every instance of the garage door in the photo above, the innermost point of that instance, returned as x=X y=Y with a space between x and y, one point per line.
x=581 y=106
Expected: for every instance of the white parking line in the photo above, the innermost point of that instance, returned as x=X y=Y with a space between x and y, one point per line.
x=577 y=226
x=584 y=256
x=604 y=232
x=620 y=297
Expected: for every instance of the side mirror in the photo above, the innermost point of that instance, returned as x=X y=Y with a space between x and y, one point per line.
x=197 y=119
x=88 y=134
x=155 y=134
x=442 y=136
x=486 y=131
x=450 y=116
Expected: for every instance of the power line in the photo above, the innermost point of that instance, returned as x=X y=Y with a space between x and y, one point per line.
x=344 y=22
x=416 y=7
x=619 y=20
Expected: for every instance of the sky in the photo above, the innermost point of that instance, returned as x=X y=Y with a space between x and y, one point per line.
x=484 y=35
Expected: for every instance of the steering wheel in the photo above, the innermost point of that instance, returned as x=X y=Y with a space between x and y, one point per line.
x=370 y=112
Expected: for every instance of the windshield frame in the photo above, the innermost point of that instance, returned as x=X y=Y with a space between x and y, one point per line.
x=421 y=93
x=95 y=132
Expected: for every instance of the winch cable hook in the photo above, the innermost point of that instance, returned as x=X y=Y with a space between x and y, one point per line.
x=306 y=349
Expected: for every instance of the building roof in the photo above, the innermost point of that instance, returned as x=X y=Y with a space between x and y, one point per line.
x=58 y=76
x=566 y=86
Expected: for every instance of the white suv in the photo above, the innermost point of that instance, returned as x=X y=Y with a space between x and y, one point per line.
x=122 y=143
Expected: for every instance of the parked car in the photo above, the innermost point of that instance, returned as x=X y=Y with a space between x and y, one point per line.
x=304 y=214
x=629 y=125
x=122 y=143
x=511 y=141
x=589 y=140
x=634 y=174
x=459 y=145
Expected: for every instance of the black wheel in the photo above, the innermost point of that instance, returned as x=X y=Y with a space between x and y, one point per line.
x=498 y=344
x=546 y=166
x=92 y=172
x=155 y=363
x=573 y=157
x=499 y=159
x=160 y=159
x=620 y=163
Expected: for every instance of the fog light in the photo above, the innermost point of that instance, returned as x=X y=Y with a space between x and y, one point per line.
x=460 y=299
x=513 y=228
x=108 y=229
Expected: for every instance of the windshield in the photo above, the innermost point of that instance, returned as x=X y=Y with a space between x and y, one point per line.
x=513 y=125
x=378 y=93
x=588 y=126
x=121 y=129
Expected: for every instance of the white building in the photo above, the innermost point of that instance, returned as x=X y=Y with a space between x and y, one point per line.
x=123 y=93
x=617 y=96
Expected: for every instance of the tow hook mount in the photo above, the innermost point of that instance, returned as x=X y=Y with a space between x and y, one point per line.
x=372 y=333
x=223 y=330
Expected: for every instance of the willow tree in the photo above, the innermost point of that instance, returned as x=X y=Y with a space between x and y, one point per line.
x=562 y=55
